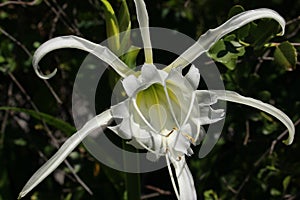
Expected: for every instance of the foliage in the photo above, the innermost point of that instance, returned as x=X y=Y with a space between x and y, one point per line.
x=248 y=162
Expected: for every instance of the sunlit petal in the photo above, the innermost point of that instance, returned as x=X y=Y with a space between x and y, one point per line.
x=99 y=51
x=101 y=120
x=208 y=39
x=142 y=17
x=237 y=98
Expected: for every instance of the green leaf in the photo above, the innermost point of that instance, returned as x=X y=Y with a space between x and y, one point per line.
x=261 y=33
x=285 y=183
x=210 y=195
x=235 y=10
x=125 y=27
x=275 y=192
x=285 y=55
x=130 y=57
x=55 y=122
x=124 y=17
x=112 y=26
x=227 y=51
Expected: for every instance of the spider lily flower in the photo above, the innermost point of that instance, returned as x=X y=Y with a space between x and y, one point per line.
x=164 y=112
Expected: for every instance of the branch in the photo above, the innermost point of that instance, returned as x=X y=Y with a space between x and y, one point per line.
x=31 y=3
x=262 y=157
x=158 y=192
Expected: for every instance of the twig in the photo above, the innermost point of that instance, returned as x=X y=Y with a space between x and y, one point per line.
x=58 y=11
x=49 y=133
x=283 y=134
x=58 y=100
x=55 y=20
x=4 y=122
x=158 y=192
x=261 y=60
x=292 y=43
x=246 y=139
x=296 y=30
x=293 y=21
x=262 y=157
x=32 y=3
x=16 y=41
x=228 y=186
x=292 y=34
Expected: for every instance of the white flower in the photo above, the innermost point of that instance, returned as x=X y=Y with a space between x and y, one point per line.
x=164 y=111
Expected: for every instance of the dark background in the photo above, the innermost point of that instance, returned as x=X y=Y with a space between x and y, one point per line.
x=249 y=162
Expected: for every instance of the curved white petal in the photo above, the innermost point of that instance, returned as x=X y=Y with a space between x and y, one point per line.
x=185 y=180
x=142 y=17
x=101 y=120
x=193 y=76
x=206 y=98
x=130 y=85
x=150 y=74
x=209 y=115
x=237 y=98
x=99 y=51
x=212 y=36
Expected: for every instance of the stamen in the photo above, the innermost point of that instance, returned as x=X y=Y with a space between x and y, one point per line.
x=190 y=138
x=170 y=132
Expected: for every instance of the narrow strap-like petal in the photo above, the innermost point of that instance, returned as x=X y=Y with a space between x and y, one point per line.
x=142 y=17
x=237 y=98
x=100 y=121
x=99 y=51
x=185 y=180
x=212 y=36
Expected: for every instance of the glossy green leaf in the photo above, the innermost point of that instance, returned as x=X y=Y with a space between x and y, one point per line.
x=262 y=32
x=285 y=55
x=227 y=51
x=112 y=26
x=130 y=57
x=53 y=121
x=125 y=27
x=124 y=17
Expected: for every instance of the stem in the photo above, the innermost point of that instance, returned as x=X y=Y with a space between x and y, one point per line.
x=132 y=180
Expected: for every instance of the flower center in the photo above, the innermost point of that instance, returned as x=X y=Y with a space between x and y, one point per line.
x=156 y=104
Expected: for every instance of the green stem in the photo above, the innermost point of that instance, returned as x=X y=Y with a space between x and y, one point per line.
x=132 y=180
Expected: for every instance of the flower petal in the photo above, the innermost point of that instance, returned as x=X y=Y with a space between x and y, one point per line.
x=206 y=98
x=209 y=115
x=131 y=84
x=101 y=120
x=212 y=36
x=185 y=180
x=99 y=51
x=151 y=75
x=237 y=98
x=142 y=17
x=193 y=76
x=121 y=110
x=178 y=143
